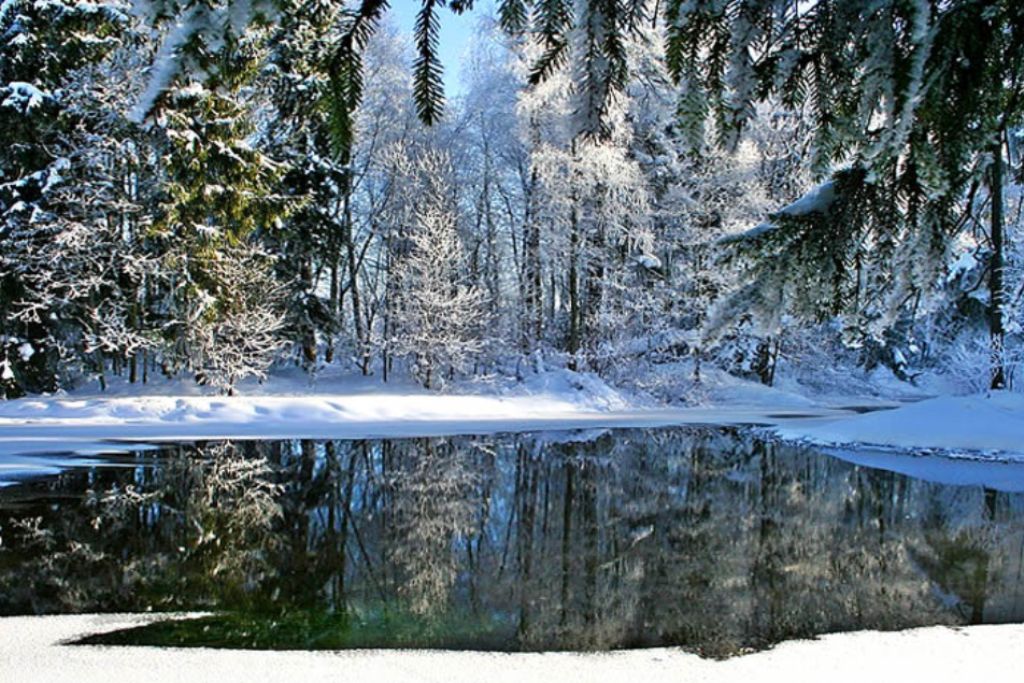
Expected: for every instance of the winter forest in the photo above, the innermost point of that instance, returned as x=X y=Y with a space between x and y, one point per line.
x=657 y=192
x=590 y=340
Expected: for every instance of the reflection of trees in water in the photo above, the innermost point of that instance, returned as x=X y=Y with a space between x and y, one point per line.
x=706 y=538
x=194 y=531
x=433 y=499
x=967 y=555
x=372 y=521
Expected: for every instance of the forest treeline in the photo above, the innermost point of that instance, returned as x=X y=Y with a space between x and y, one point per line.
x=639 y=189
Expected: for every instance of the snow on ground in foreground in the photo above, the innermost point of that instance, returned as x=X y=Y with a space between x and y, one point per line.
x=982 y=425
x=33 y=649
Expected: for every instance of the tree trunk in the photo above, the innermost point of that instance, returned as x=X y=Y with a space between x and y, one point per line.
x=534 y=290
x=575 y=310
x=335 y=305
x=995 y=277
x=363 y=349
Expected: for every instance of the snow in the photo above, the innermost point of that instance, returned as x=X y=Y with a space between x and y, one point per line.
x=998 y=475
x=819 y=200
x=37 y=649
x=5 y=7
x=984 y=426
x=340 y=406
x=166 y=64
x=24 y=96
x=649 y=261
x=916 y=438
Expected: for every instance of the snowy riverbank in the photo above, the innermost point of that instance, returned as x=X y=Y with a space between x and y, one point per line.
x=338 y=406
x=341 y=406
x=36 y=649
x=986 y=426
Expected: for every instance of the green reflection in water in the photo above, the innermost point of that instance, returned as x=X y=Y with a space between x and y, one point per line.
x=312 y=630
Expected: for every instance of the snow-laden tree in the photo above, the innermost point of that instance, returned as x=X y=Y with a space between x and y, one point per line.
x=387 y=142
x=216 y=195
x=238 y=334
x=592 y=32
x=297 y=132
x=41 y=44
x=441 y=316
x=492 y=172
x=956 y=336
x=571 y=213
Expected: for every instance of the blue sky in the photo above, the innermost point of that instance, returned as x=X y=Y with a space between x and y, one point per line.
x=455 y=33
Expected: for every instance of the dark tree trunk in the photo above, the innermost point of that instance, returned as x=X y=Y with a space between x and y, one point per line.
x=575 y=310
x=995 y=276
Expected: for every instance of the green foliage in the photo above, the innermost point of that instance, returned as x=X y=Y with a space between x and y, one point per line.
x=220 y=189
x=366 y=626
x=216 y=194
x=345 y=70
x=555 y=22
x=311 y=137
x=513 y=15
x=428 y=86
x=601 y=27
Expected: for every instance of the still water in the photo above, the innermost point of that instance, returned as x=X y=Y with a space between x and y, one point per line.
x=712 y=539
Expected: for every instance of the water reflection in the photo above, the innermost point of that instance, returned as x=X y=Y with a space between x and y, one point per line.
x=707 y=538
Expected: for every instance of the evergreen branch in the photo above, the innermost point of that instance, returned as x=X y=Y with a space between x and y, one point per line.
x=512 y=16
x=345 y=72
x=428 y=85
x=553 y=20
x=603 y=67
x=550 y=61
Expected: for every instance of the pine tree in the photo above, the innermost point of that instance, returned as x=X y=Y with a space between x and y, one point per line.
x=218 y=193
x=87 y=280
x=303 y=138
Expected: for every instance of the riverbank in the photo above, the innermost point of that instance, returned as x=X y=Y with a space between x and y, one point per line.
x=348 y=408
x=981 y=426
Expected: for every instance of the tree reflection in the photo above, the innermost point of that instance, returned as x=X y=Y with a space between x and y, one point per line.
x=707 y=538
x=195 y=530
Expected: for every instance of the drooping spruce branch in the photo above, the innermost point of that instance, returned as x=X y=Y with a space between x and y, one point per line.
x=346 y=70
x=911 y=94
x=592 y=36
x=428 y=82
x=554 y=22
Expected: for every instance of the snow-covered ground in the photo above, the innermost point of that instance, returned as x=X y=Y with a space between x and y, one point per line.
x=987 y=426
x=344 y=407
x=35 y=649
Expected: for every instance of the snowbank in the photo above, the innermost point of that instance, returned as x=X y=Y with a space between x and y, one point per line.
x=1000 y=475
x=983 y=425
x=286 y=408
x=34 y=649
x=334 y=407
x=338 y=406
